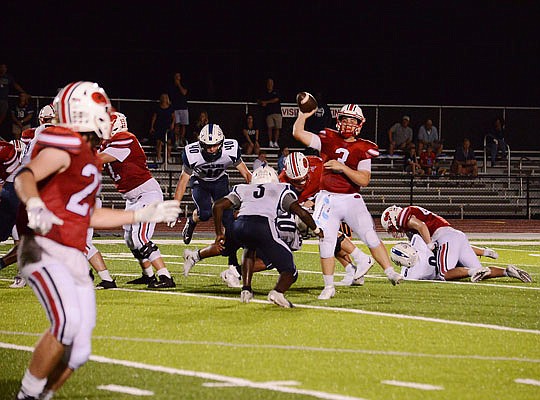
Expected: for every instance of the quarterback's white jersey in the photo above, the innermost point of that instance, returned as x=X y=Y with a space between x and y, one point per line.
x=195 y=165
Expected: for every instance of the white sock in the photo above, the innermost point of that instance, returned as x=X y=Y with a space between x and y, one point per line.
x=349 y=269
x=149 y=271
x=31 y=386
x=163 y=271
x=328 y=280
x=47 y=395
x=105 y=276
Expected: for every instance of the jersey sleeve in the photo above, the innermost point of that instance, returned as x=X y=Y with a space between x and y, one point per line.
x=287 y=198
x=119 y=149
x=59 y=138
x=234 y=197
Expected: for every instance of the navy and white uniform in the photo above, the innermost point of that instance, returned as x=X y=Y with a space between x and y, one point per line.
x=426 y=267
x=256 y=225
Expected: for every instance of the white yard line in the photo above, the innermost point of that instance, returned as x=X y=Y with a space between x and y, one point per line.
x=533 y=382
x=413 y=385
x=126 y=389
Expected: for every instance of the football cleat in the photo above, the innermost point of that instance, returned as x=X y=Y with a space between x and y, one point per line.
x=18 y=282
x=513 y=272
x=480 y=274
x=347 y=280
x=359 y=281
x=327 y=293
x=279 y=299
x=143 y=280
x=246 y=296
x=231 y=277
x=187 y=232
x=163 y=282
x=191 y=257
x=491 y=253
x=106 y=285
x=363 y=268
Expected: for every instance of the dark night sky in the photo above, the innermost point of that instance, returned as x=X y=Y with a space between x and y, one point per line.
x=416 y=52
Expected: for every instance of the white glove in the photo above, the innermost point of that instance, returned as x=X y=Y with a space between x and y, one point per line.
x=159 y=211
x=171 y=224
x=40 y=218
x=431 y=246
x=393 y=276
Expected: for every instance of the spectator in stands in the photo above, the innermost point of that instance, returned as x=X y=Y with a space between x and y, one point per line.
x=201 y=122
x=251 y=137
x=428 y=134
x=428 y=161
x=178 y=95
x=322 y=117
x=281 y=159
x=464 y=163
x=6 y=82
x=412 y=162
x=21 y=115
x=162 y=126
x=400 y=135
x=260 y=160
x=495 y=140
x=270 y=102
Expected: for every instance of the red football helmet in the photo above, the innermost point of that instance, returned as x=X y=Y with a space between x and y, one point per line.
x=346 y=130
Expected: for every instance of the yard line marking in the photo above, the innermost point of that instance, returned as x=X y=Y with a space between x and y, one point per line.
x=126 y=389
x=205 y=375
x=347 y=310
x=296 y=348
x=533 y=382
x=413 y=385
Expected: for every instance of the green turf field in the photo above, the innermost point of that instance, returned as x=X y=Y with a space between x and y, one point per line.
x=418 y=340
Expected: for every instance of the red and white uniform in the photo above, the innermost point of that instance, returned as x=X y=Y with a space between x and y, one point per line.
x=313 y=179
x=454 y=248
x=339 y=200
x=8 y=160
x=133 y=179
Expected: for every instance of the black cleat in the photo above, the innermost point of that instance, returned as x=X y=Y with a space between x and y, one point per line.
x=164 y=282
x=143 y=280
x=106 y=285
x=187 y=232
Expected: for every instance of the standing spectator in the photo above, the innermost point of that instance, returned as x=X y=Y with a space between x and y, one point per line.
x=495 y=140
x=260 y=160
x=6 y=82
x=400 y=135
x=162 y=126
x=412 y=162
x=270 y=101
x=281 y=159
x=322 y=117
x=428 y=134
x=428 y=161
x=202 y=121
x=251 y=137
x=464 y=163
x=21 y=115
x=178 y=95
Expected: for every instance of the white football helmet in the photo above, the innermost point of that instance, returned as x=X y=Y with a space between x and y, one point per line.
x=350 y=111
x=118 y=122
x=211 y=135
x=47 y=114
x=404 y=254
x=264 y=174
x=389 y=220
x=297 y=167
x=84 y=107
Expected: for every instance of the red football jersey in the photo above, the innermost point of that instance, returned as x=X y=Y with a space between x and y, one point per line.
x=27 y=135
x=432 y=220
x=313 y=180
x=130 y=171
x=8 y=160
x=334 y=147
x=70 y=194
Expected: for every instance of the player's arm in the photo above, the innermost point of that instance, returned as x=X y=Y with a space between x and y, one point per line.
x=299 y=133
x=217 y=212
x=106 y=158
x=422 y=229
x=160 y=211
x=181 y=186
x=244 y=171
x=306 y=217
x=360 y=177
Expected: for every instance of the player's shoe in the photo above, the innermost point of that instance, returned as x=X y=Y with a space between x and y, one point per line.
x=191 y=257
x=18 y=282
x=106 y=285
x=347 y=280
x=480 y=274
x=363 y=268
x=187 y=232
x=491 y=253
x=359 y=281
x=514 y=272
x=163 y=282
x=231 y=277
x=143 y=280
x=327 y=293
x=246 y=296
x=279 y=299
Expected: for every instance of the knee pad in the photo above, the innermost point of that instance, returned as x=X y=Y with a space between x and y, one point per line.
x=76 y=355
x=91 y=251
x=340 y=240
x=371 y=239
x=149 y=251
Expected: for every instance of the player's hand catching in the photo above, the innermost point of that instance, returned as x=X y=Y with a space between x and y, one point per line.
x=160 y=211
x=40 y=218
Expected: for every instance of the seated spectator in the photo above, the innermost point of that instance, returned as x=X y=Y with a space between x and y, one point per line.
x=251 y=136
x=202 y=120
x=162 y=126
x=428 y=134
x=400 y=136
x=464 y=163
x=428 y=161
x=411 y=162
x=21 y=115
x=495 y=140
x=281 y=159
x=260 y=160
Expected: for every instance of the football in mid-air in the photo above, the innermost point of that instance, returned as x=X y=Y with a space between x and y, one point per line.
x=306 y=102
